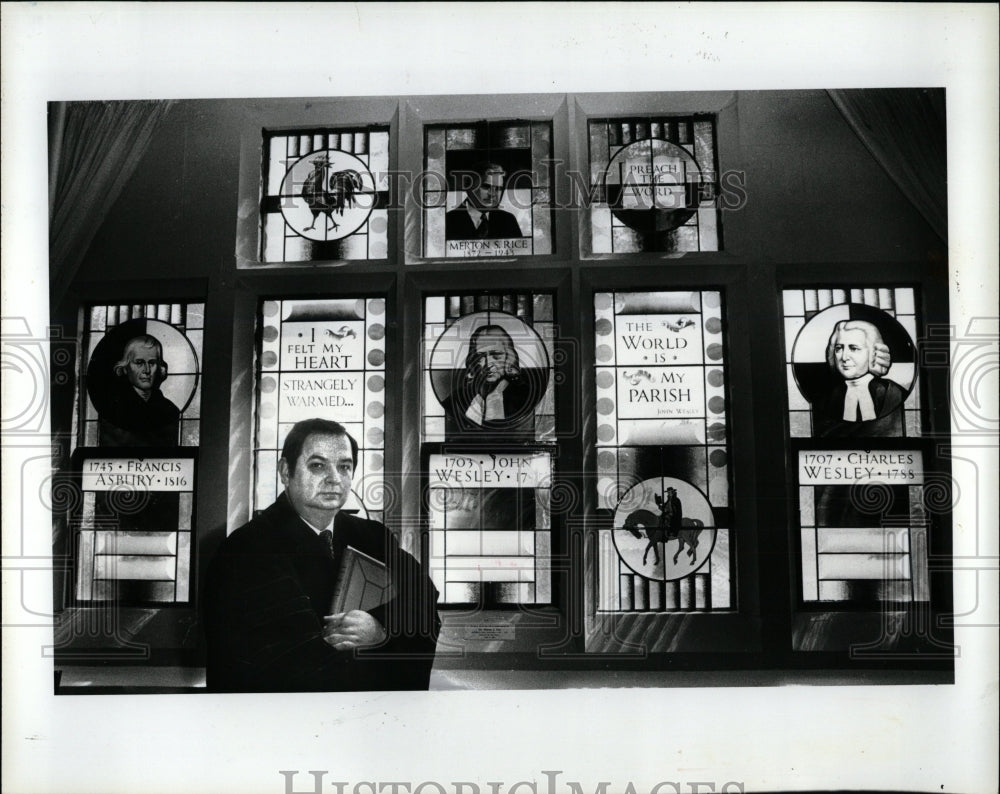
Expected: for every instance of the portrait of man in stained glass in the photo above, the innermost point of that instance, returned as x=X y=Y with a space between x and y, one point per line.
x=138 y=402
x=861 y=384
x=489 y=372
x=479 y=215
x=488 y=189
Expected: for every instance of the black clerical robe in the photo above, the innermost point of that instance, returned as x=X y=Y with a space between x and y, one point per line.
x=887 y=398
x=266 y=595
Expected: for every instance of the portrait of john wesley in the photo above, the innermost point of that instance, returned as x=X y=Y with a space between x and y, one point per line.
x=491 y=391
x=489 y=371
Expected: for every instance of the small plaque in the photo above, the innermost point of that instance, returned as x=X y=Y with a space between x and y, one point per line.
x=139 y=474
x=490 y=632
x=847 y=467
x=514 y=246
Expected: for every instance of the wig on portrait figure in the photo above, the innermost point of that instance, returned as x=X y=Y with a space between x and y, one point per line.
x=135 y=411
x=861 y=401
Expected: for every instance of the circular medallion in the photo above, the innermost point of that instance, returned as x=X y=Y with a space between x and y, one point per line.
x=327 y=195
x=850 y=344
x=664 y=529
x=141 y=377
x=489 y=369
x=653 y=185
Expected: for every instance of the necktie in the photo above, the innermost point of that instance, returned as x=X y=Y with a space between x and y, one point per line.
x=327 y=537
x=484 y=225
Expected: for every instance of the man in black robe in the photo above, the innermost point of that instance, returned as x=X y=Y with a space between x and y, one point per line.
x=863 y=402
x=269 y=590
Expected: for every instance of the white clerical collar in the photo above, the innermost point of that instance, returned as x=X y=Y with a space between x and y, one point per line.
x=859 y=398
x=490 y=409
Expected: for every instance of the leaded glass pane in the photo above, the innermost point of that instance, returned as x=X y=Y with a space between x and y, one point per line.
x=487 y=361
x=323 y=358
x=489 y=394
x=142 y=381
x=662 y=457
x=863 y=526
x=490 y=534
x=487 y=189
x=821 y=328
x=654 y=184
x=134 y=532
x=326 y=195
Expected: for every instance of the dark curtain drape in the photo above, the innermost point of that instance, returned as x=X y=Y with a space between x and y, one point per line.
x=94 y=148
x=905 y=130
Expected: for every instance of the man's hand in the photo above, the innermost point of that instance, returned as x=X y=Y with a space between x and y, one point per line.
x=881 y=359
x=354 y=629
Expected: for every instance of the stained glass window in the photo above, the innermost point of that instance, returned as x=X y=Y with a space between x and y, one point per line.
x=654 y=183
x=822 y=326
x=863 y=525
x=123 y=406
x=463 y=335
x=323 y=358
x=490 y=538
x=662 y=452
x=325 y=195
x=488 y=189
x=140 y=398
x=134 y=539
x=488 y=392
x=851 y=363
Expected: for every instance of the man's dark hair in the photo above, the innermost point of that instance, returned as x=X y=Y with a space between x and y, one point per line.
x=300 y=431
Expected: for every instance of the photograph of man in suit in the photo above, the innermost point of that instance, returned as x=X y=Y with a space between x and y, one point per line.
x=863 y=402
x=136 y=412
x=479 y=216
x=269 y=589
x=491 y=391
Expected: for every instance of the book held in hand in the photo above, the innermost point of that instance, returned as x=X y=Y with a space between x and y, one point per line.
x=362 y=583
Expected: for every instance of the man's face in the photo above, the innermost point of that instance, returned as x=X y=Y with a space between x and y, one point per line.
x=493 y=356
x=852 y=354
x=321 y=481
x=143 y=367
x=487 y=194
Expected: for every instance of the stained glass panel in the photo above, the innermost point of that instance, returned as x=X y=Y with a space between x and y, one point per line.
x=662 y=452
x=863 y=526
x=488 y=367
x=141 y=385
x=654 y=184
x=821 y=326
x=487 y=189
x=134 y=529
x=489 y=393
x=490 y=527
x=326 y=195
x=323 y=358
